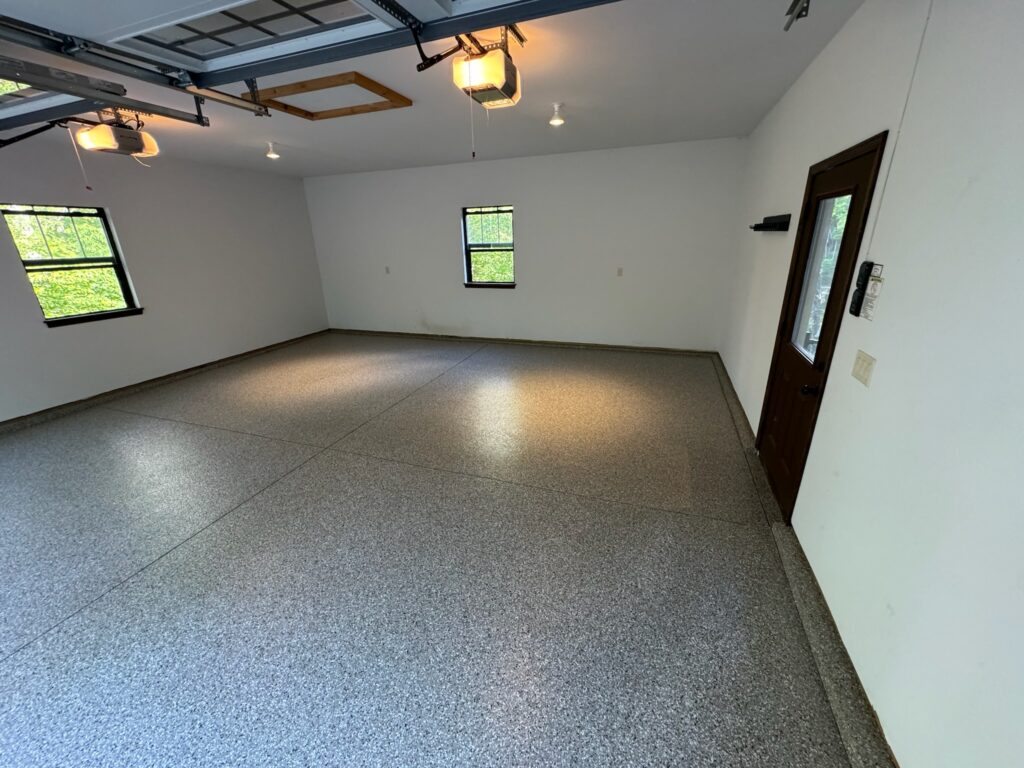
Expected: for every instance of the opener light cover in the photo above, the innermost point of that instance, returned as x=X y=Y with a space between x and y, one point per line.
x=491 y=79
x=117 y=139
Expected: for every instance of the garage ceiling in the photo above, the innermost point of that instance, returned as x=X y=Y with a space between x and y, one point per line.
x=630 y=73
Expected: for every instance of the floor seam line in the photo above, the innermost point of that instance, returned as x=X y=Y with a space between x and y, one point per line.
x=743 y=448
x=694 y=515
x=780 y=561
x=155 y=560
x=208 y=426
x=406 y=397
x=804 y=630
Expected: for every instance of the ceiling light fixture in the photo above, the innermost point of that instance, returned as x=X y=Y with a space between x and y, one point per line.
x=271 y=152
x=485 y=72
x=117 y=139
x=491 y=79
x=556 y=118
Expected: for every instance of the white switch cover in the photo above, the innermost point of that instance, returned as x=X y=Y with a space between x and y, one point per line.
x=863 y=367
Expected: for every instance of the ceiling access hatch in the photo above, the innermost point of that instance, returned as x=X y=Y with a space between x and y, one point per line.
x=333 y=96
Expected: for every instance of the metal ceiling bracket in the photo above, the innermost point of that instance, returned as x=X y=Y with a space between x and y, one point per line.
x=399 y=13
x=517 y=33
x=254 y=89
x=798 y=9
x=259 y=110
x=426 y=62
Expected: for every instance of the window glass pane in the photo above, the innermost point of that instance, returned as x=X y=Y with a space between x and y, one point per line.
x=76 y=291
x=474 y=230
x=821 y=267
x=503 y=222
x=27 y=236
x=46 y=243
x=60 y=235
x=492 y=267
x=94 y=238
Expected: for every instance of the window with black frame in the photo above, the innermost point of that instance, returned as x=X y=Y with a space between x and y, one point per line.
x=489 y=247
x=71 y=261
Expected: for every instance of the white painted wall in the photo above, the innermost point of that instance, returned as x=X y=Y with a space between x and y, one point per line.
x=222 y=262
x=910 y=511
x=666 y=214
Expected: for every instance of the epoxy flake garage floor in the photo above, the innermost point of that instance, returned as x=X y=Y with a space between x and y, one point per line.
x=378 y=551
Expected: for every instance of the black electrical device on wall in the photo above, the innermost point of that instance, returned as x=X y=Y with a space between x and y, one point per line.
x=863 y=277
x=778 y=223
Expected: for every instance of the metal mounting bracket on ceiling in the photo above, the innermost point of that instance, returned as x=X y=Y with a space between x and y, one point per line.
x=400 y=14
x=798 y=9
x=101 y=93
x=470 y=45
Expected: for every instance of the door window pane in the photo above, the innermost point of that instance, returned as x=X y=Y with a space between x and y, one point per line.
x=821 y=268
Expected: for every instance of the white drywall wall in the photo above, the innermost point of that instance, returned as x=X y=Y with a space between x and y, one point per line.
x=221 y=260
x=666 y=214
x=910 y=510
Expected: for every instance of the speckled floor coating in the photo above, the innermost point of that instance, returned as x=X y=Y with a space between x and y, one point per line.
x=360 y=610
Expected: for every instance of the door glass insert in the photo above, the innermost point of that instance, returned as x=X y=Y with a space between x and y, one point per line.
x=821 y=268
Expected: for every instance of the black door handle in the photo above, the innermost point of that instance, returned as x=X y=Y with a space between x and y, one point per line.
x=807 y=389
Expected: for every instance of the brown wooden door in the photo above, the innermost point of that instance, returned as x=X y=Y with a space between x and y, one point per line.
x=831 y=228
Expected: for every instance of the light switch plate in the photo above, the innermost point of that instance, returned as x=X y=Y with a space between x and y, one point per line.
x=863 y=367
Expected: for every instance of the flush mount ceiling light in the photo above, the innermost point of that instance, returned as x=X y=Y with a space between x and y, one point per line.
x=271 y=152
x=557 y=119
x=117 y=139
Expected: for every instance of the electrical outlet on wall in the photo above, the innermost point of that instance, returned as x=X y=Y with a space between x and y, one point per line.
x=619 y=273
x=863 y=367
x=387 y=270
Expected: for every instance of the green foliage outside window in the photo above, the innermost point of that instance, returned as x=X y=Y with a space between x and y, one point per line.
x=492 y=267
x=69 y=259
x=490 y=244
x=77 y=291
x=9 y=86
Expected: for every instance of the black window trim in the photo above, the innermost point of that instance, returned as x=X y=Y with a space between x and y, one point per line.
x=115 y=261
x=467 y=249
